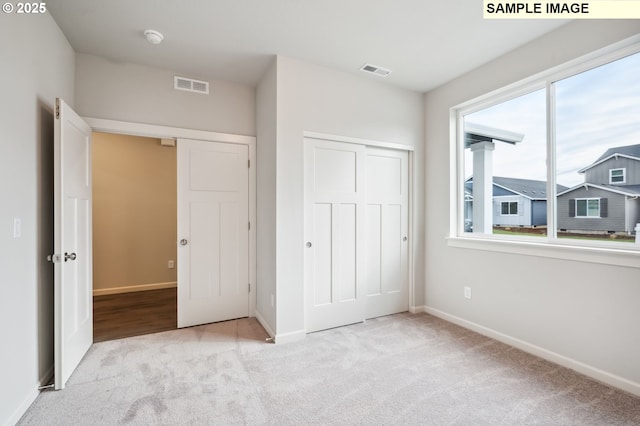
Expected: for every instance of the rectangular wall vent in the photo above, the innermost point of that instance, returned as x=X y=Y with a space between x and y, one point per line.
x=191 y=85
x=373 y=69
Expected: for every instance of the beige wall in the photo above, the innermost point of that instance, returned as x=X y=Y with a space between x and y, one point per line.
x=134 y=212
x=36 y=65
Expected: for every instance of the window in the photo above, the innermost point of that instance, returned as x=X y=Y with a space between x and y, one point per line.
x=558 y=142
x=589 y=207
x=617 y=175
x=509 y=208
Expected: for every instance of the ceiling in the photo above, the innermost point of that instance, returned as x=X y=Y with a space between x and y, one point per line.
x=424 y=42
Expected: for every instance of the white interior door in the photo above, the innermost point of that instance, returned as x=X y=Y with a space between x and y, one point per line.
x=387 y=280
x=334 y=224
x=213 y=232
x=73 y=282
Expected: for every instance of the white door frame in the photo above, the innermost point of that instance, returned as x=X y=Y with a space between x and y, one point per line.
x=411 y=206
x=165 y=132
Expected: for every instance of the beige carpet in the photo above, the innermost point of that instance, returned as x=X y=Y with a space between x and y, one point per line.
x=401 y=369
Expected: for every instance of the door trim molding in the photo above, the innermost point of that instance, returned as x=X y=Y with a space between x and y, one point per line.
x=155 y=131
x=166 y=132
x=358 y=141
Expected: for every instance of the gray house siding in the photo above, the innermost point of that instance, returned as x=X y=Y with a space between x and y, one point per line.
x=615 y=220
x=600 y=173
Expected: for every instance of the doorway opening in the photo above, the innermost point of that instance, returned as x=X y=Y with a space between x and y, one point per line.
x=134 y=236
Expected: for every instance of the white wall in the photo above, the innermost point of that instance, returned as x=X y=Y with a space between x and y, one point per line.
x=128 y=92
x=37 y=65
x=313 y=98
x=266 y=124
x=585 y=312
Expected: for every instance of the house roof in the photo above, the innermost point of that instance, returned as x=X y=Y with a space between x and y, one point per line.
x=627 y=151
x=628 y=190
x=533 y=189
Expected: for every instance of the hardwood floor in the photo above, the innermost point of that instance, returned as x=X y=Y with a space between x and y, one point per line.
x=131 y=314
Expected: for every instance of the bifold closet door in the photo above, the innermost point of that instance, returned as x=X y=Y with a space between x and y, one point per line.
x=334 y=226
x=387 y=247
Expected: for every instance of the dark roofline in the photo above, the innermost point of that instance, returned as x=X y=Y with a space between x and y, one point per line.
x=616 y=190
x=618 y=151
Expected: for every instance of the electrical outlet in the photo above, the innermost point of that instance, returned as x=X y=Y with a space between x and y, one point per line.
x=171 y=264
x=467 y=292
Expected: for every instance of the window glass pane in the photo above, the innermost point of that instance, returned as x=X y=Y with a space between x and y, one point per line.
x=505 y=165
x=617 y=175
x=597 y=136
x=581 y=208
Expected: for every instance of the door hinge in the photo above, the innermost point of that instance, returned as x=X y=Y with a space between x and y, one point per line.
x=249 y=287
x=249 y=226
x=249 y=163
x=54 y=258
x=57 y=108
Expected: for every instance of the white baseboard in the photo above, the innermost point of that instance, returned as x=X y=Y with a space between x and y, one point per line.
x=264 y=324
x=417 y=309
x=292 y=336
x=23 y=407
x=587 y=370
x=133 y=288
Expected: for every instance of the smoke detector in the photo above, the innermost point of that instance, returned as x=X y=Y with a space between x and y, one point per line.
x=374 y=69
x=153 y=36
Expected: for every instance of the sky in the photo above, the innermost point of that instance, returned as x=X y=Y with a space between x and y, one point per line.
x=595 y=110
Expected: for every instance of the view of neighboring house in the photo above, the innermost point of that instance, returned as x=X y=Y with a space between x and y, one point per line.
x=609 y=199
x=516 y=202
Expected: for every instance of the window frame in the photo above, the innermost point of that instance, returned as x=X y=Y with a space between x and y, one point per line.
x=624 y=175
x=605 y=252
x=586 y=208
x=509 y=204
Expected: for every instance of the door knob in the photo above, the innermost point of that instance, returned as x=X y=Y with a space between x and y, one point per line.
x=308 y=244
x=184 y=242
x=404 y=239
x=68 y=256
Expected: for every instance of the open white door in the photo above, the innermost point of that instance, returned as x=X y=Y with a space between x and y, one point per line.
x=334 y=185
x=72 y=258
x=213 y=232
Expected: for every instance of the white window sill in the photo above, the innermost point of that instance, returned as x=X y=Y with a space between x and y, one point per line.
x=557 y=250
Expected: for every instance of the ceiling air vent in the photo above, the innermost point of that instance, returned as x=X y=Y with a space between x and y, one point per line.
x=373 y=69
x=191 y=85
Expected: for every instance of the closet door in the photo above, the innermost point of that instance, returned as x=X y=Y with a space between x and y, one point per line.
x=387 y=245
x=334 y=234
